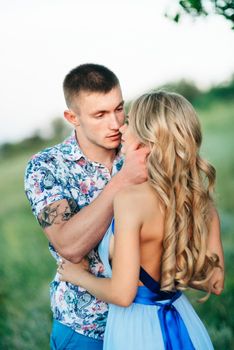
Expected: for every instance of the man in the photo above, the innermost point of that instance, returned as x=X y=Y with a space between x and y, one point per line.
x=71 y=187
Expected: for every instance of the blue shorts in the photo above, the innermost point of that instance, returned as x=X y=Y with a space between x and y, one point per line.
x=65 y=338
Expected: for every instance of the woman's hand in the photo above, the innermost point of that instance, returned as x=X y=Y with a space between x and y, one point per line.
x=73 y=273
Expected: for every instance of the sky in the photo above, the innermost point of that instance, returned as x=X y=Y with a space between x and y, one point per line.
x=41 y=41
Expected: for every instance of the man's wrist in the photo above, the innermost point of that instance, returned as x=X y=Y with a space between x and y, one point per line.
x=120 y=180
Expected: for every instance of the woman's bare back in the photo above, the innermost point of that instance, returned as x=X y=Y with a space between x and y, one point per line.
x=151 y=235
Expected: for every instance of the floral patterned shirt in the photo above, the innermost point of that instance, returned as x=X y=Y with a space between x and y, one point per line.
x=64 y=172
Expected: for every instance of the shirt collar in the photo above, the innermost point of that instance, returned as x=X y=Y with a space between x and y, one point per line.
x=70 y=148
x=72 y=151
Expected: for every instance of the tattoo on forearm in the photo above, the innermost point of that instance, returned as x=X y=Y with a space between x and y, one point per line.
x=55 y=214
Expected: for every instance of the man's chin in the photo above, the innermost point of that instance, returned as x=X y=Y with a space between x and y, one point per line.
x=112 y=145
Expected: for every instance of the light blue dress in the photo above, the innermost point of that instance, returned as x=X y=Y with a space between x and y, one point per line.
x=155 y=320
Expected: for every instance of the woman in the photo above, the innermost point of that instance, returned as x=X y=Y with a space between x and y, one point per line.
x=166 y=231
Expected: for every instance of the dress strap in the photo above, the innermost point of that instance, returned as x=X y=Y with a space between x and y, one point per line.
x=154 y=286
x=113 y=225
x=148 y=281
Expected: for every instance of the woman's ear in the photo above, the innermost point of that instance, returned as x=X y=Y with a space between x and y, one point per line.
x=71 y=117
x=147 y=148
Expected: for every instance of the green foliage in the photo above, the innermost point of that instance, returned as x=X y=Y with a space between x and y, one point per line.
x=203 y=99
x=11 y=149
x=185 y=88
x=58 y=131
x=196 y=8
x=222 y=92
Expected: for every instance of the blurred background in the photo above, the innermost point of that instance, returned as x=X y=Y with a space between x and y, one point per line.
x=184 y=46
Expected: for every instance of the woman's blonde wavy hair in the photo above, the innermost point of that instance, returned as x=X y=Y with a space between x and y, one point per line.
x=184 y=182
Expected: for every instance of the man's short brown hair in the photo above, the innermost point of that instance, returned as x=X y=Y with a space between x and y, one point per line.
x=88 y=77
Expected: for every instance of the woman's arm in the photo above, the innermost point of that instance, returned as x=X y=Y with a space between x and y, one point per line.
x=215 y=246
x=122 y=287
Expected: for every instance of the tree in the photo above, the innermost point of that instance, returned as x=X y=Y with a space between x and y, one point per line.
x=198 y=8
x=60 y=129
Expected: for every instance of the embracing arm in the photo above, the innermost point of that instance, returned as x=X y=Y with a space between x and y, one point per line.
x=122 y=287
x=74 y=234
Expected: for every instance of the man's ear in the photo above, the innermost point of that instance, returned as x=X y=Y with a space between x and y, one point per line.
x=71 y=117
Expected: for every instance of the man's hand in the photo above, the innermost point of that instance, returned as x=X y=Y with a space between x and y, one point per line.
x=134 y=170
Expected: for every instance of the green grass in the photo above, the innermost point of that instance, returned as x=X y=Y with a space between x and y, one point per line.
x=218 y=145
x=26 y=265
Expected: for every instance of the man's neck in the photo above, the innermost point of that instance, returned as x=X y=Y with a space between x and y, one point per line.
x=97 y=154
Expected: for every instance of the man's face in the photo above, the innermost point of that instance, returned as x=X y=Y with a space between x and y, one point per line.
x=99 y=118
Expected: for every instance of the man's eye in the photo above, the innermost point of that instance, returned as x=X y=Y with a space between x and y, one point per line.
x=120 y=109
x=99 y=116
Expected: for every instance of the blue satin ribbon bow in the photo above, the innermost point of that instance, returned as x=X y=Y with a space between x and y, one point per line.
x=174 y=331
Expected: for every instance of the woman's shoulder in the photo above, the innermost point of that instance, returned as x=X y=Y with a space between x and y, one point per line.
x=136 y=196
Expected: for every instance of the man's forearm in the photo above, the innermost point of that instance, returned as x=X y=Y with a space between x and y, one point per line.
x=75 y=237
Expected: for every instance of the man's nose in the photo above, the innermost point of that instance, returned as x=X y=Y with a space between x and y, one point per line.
x=114 y=122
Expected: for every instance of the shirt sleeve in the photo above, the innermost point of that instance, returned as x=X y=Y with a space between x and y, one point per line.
x=44 y=182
